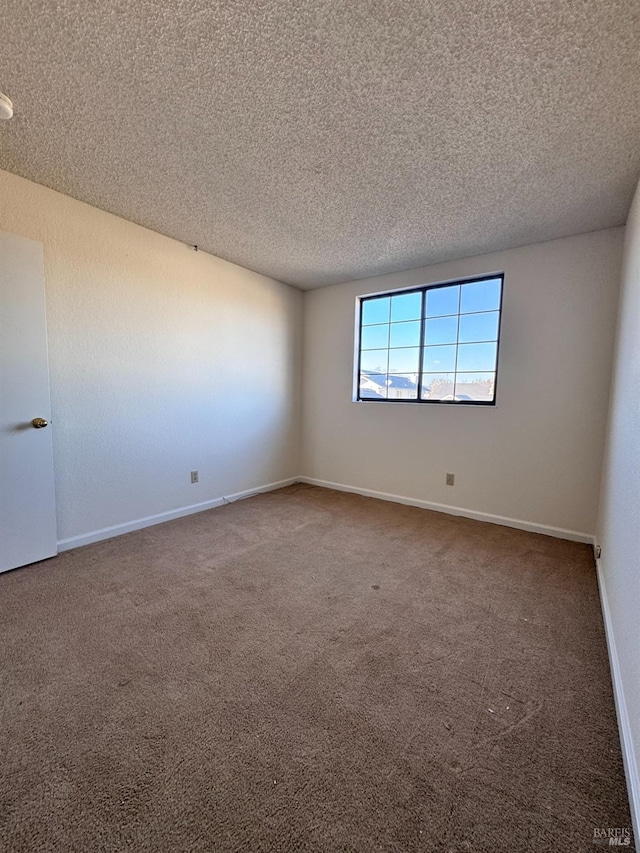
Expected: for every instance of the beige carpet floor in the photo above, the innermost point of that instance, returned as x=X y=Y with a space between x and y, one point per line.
x=308 y=670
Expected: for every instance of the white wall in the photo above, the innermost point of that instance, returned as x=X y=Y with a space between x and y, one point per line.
x=162 y=360
x=537 y=455
x=619 y=519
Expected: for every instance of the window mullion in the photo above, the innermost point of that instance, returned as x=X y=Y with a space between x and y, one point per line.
x=423 y=326
x=455 y=366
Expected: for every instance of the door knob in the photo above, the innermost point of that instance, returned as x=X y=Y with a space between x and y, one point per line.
x=39 y=423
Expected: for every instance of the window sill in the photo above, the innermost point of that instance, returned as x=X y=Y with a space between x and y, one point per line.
x=428 y=403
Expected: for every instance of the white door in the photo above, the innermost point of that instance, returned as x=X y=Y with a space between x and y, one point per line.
x=27 y=498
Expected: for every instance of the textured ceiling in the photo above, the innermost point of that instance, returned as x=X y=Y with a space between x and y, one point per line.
x=319 y=141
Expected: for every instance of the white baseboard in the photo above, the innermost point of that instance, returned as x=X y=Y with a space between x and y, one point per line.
x=532 y=527
x=159 y=518
x=624 y=726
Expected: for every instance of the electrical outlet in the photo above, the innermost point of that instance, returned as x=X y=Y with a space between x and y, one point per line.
x=450 y=479
x=194 y=476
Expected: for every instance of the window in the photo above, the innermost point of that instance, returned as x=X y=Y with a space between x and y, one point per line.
x=433 y=344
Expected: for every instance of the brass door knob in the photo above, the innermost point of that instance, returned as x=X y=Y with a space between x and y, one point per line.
x=39 y=423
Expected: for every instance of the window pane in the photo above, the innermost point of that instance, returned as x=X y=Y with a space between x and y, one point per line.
x=405 y=334
x=479 y=327
x=406 y=307
x=375 y=337
x=373 y=386
x=375 y=310
x=480 y=296
x=443 y=330
x=404 y=360
x=475 y=386
x=437 y=386
x=402 y=387
x=443 y=300
x=439 y=359
x=374 y=360
x=477 y=357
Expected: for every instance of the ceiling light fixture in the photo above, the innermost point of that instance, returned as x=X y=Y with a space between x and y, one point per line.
x=6 y=108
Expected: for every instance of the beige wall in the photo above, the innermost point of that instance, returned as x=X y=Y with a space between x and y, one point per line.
x=619 y=518
x=162 y=360
x=536 y=456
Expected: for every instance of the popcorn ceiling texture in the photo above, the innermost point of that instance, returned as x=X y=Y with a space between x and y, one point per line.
x=319 y=142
